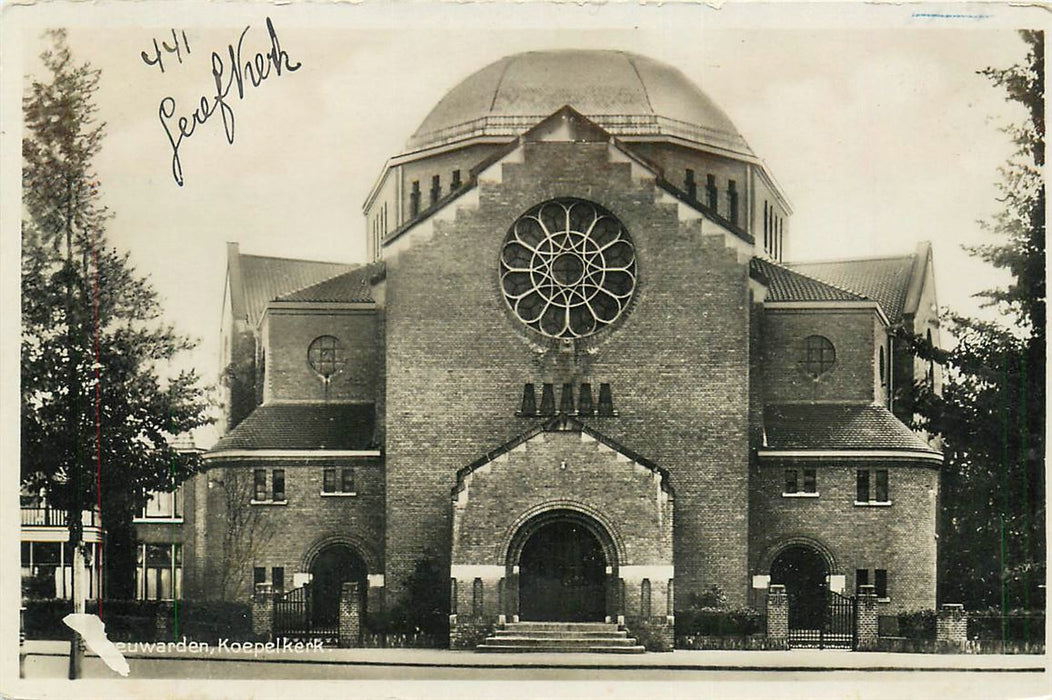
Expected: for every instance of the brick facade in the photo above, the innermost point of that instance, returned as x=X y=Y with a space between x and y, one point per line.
x=899 y=538
x=671 y=480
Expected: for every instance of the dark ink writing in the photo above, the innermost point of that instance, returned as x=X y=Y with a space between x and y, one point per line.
x=233 y=73
x=157 y=58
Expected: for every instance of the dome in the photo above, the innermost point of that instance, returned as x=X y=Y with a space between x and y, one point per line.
x=627 y=94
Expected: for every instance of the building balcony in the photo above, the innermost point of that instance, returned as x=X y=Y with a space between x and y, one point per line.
x=49 y=524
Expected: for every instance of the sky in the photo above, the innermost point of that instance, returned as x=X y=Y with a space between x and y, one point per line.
x=874 y=122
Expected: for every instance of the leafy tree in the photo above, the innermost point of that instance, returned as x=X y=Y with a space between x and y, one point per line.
x=97 y=414
x=991 y=415
x=247 y=533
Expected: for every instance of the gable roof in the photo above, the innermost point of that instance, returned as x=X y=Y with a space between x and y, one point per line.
x=350 y=287
x=885 y=280
x=784 y=284
x=561 y=423
x=263 y=279
x=303 y=426
x=838 y=427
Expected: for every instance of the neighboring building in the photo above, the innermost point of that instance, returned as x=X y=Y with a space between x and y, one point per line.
x=575 y=370
x=47 y=558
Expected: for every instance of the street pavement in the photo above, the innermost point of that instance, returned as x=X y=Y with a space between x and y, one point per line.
x=424 y=672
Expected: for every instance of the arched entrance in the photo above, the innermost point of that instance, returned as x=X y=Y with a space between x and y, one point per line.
x=562 y=572
x=805 y=574
x=332 y=567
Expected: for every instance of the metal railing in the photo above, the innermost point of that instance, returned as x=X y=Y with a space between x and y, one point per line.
x=51 y=517
x=618 y=124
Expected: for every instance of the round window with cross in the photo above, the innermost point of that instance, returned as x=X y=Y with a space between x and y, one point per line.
x=819 y=355
x=325 y=355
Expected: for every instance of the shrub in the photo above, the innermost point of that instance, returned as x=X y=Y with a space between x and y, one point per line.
x=715 y=622
x=917 y=624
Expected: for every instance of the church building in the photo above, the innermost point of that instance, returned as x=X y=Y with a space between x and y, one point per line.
x=576 y=373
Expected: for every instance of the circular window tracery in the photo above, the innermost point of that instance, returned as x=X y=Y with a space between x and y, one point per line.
x=325 y=355
x=568 y=268
x=819 y=355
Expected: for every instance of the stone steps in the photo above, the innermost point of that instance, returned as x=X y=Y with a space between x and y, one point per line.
x=560 y=637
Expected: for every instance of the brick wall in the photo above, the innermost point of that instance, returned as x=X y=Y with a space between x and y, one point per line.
x=899 y=538
x=288 y=334
x=852 y=335
x=674 y=161
x=456 y=362
x=292 y=533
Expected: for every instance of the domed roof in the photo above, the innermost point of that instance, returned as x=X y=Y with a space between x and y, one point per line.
x=627 y=94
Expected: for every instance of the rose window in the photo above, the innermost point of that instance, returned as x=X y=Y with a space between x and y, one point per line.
x=568 y=268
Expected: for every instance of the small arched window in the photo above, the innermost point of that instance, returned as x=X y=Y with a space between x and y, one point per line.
x=325 y=355
x=819 y=355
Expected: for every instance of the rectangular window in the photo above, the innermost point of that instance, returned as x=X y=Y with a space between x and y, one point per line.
x=861 y=578
x=862 y=486
x=260 y=476
x=436 y=188
x=328 y=483
x=691 y=185
x=882 y=486
x=277 y=577
x=347 y=480
x=880 y=582
x=164 y=504
x=794 y=485
x=711 y=193
x=159 y=572
x=279 y=484
x=871 y=486
x=455 y=182
x=414 y=199
x=732 y=201
x=259 y=574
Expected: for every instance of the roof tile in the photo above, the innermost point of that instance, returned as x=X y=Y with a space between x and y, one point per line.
x=265 y=279
x=830 y=426
x=353 y=286
x=885 y=280
x=303 y=426
x=784 y=284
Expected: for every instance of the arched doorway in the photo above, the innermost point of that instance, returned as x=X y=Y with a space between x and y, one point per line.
x=804 y=573
x=562 y=573
x=332 y=567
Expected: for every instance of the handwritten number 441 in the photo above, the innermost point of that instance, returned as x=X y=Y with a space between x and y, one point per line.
x=157 y=57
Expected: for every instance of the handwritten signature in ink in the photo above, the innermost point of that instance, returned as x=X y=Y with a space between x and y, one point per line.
x=237 y=73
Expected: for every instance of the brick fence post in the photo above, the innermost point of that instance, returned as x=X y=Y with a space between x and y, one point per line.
x=263 y=611
x=866 y=618
x=350 y=615
x=777 y=617
x=951 y=627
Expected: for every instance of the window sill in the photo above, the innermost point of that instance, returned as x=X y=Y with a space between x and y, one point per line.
x=331 y=494
x=884 y=600
x=157 y=520
x=873 y=504
x=800 y=494
x=269 y=503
